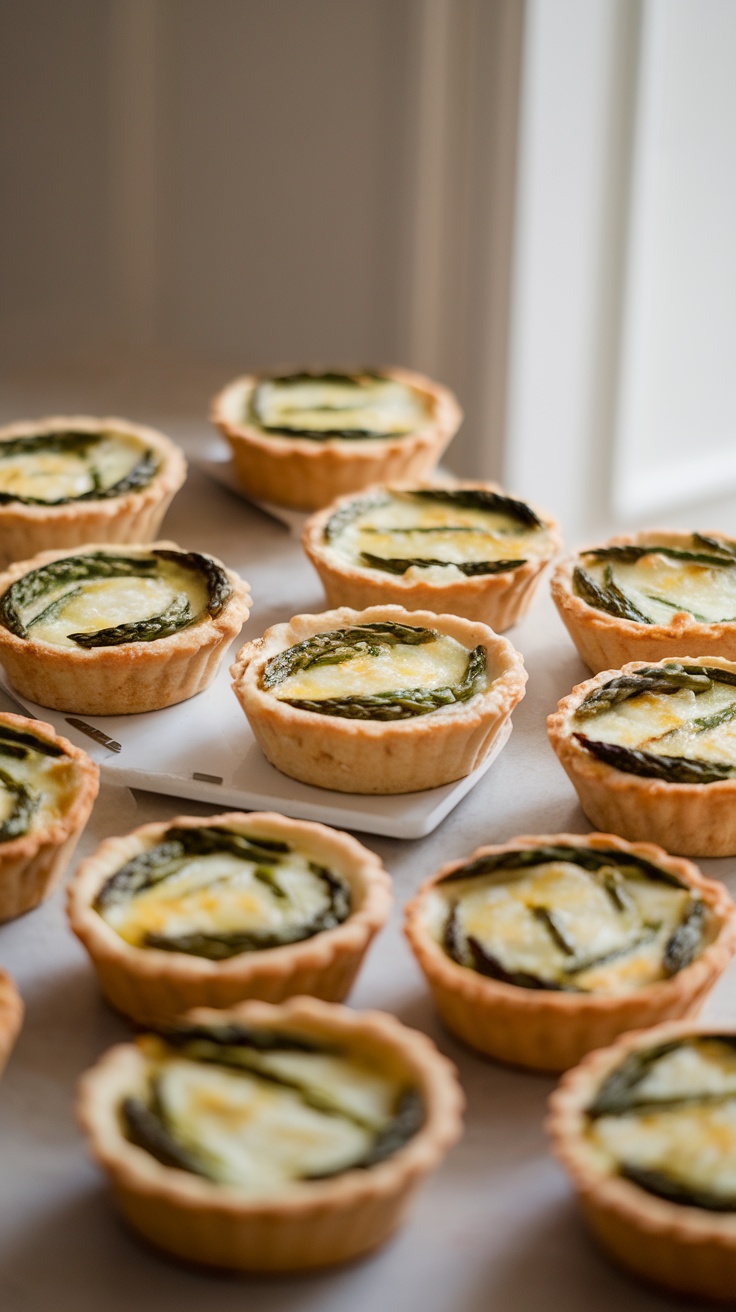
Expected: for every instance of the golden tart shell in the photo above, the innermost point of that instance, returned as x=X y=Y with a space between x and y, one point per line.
x=132 y=677
x=549 y=1030
x=371 y=756
x=11 y=1017
x=132 y=517
x=498 y=600
x=314 y=1224
x=153 y=986
x=605 y=641
x=32 y=865
x=685 y=1249
x=306 y=474
x=690 y=819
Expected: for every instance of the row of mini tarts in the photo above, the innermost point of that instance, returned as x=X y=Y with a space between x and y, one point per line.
x=133 y=516
x=604 y=640
x=551 y=1030
x=498 y=600
x=372 y=756
x=692 y=819
x=152 y=985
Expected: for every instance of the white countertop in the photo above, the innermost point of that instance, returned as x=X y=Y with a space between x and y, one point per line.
x=496 y=1228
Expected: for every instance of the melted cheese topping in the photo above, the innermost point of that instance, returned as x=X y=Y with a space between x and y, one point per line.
x=259 y=1134
x=95 y=604
x=381 y=406
x=692 y=1145
x=610 y=947
x=403 y=527
x=437 y=664
x=58 y=475
x=52 y=782
x=667 y=724
x=659 y=587
x=221 y=893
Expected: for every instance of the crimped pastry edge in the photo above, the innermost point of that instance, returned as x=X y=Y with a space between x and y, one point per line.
x=303 y=474
x=550 y=1031
x=32 y=865
x=133 y=517
x=154 y=986
x=11 y=1017
x=690 y=819
x=498 y=600
x=133 y=677
x=317 y=1223
x=370 y=756
x=685 y=1249
x=604 y=640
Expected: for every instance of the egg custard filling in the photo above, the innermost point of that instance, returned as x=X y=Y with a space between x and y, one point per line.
x=350 y=406
x=447 y=531
x=383 y=671
x=38 y=782
x=102 y=599
x=648 y=583
x=578 y=919
x=673 y=721
x=214 y=892
x=58 y=467
x=666 y=1120
x=259 y=1110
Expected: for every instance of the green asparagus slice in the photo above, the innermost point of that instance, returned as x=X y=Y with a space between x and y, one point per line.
x=291 y=430
x=676 y=1191
x=25 y=803
x=673 y=769
x=399 y=703
x=479 y=499
x=609 y=599
x=685 y=944
x=21 y=739
x=471 y=568
x=664 y=679
x=588 y=858
x=74 y=443
x=178 y=615
x=340 y=645
x=629 y=555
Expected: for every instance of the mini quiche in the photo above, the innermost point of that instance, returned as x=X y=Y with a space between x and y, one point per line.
x=380 y=700
x=271 y=1138
x=11 y=1017
x=460 y=549
x=651 y=752
x=71 y=479
x=302 y=439
x=47 y=788
x=646 y=1129
x=649 y=595
x=193 y=913
x=545 y=947
x=114 y=630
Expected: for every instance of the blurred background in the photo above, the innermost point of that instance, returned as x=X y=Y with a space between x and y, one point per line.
x=533 y=201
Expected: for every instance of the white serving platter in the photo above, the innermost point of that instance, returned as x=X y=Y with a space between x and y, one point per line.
x=204 y=749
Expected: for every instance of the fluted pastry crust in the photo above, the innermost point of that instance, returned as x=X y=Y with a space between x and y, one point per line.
x=686 y=1249
x=32 y=865
x=132 y=517
x=313 y=1223
x=371 y=756
x=498 y=600
x=604 y=641
x=153 y=986
x=304 y=474
x=126 y=679
x=690 y=819
x=549 y=1030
